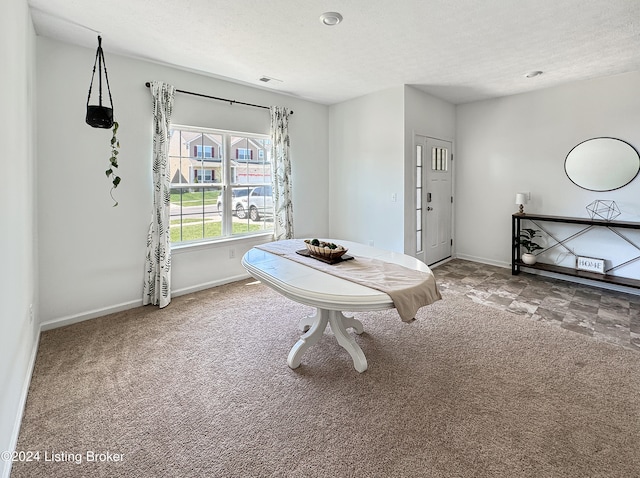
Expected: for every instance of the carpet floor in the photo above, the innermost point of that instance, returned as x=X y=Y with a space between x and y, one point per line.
x=201 y=388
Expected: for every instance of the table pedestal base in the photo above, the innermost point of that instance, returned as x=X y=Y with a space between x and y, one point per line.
x=313 y=328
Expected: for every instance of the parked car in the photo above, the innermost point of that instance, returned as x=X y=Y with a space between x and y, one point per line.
x=236 y=195
x=259 y=203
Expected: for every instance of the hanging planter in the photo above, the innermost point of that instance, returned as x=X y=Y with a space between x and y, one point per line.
x=101 y=116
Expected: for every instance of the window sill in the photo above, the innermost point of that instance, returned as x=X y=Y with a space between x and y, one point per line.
x=212 y=244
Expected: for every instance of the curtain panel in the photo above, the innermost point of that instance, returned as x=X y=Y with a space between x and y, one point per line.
x=283 y=206
x=157 y=280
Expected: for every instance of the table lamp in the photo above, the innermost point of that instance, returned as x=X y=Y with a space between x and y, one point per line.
x=521 y=199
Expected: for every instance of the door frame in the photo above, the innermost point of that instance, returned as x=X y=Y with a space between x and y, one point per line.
x=412 y=243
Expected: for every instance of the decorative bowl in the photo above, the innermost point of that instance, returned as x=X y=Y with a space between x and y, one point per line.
x=324 y=251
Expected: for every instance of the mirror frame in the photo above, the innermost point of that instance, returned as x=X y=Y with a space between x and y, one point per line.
x=575 y=180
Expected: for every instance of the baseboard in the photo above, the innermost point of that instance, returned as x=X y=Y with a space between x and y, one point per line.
x=5 y=472
x=208 y=285
x=482 y=260
x=92 y=314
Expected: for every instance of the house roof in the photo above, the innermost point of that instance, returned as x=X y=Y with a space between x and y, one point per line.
x=190 y=136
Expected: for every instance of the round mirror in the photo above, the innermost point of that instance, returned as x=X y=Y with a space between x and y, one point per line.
x=602 y=164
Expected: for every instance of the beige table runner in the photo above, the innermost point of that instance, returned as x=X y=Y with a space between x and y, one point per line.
x=409 y=289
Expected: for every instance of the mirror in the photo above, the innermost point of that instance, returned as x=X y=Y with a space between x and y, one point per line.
x=602 y=164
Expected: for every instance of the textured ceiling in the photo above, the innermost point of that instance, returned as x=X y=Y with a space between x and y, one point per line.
x=458 y=50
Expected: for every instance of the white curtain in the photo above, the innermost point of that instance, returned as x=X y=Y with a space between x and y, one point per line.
x=283 y=220
x=157 y=280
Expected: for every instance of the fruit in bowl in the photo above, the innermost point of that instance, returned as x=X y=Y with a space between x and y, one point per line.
x=326 y=250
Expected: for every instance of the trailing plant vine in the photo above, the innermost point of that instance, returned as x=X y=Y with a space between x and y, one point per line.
x=113 y=160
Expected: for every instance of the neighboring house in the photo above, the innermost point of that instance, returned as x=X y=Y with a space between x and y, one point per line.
x=251 y=156
x=197 y=158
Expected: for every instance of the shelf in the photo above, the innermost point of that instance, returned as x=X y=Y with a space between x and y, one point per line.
x=578 y=220
x=517 y=264
x=623 y=281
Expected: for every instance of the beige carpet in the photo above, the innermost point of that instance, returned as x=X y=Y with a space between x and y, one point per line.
x=202 y=389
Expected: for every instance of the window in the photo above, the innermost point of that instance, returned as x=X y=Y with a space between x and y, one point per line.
x=203 y=151
x=218 y=197
x=204 y=175
x=418 y=199
x=244 y=153
x=439 y=159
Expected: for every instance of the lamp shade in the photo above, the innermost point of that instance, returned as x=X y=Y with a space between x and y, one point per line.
x=521 y=198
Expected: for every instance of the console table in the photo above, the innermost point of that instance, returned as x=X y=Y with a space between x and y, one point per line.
x=614 y=226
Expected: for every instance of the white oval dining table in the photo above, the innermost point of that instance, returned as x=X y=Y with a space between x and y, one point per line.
x=329 y=294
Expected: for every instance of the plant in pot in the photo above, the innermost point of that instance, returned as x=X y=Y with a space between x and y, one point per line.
x=101 y=116
x=526 y=240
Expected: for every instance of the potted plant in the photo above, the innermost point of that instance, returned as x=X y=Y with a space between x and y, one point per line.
x=101 y=116
x=113 y=162
x=526 y=240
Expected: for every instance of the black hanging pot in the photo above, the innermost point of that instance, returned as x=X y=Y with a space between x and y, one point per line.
x=99 y=116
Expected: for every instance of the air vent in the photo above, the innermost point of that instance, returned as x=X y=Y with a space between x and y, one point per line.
x=267 y=79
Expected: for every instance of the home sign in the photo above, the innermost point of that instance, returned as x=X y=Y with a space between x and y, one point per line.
x=590 y=264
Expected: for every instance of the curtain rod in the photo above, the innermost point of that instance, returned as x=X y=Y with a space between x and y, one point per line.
x=148 y=85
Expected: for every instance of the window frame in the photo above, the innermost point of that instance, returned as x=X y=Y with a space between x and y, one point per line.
x=223 y=183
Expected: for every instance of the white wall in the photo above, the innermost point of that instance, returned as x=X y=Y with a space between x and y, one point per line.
x=429 y=116
x=366 y=167
x=92 y=254
x=371 y=151
x=519 y=144
x=18 y=336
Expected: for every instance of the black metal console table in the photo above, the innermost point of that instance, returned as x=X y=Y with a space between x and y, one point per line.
x=614 y=226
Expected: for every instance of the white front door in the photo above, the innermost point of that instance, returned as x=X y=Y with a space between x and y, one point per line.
x=434 y=199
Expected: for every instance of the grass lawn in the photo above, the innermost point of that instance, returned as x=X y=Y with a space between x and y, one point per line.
x=193 y=232
x=195 y=199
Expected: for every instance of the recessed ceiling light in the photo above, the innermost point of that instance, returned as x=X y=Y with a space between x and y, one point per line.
x=330 y=18
x=533 y=74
